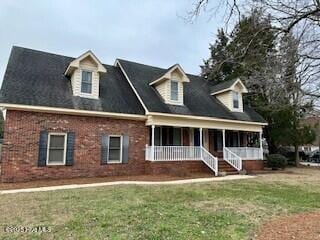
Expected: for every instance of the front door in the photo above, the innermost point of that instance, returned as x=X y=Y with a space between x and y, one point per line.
x=215 y=142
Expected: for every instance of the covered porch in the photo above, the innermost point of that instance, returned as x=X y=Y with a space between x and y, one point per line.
x=168 y=143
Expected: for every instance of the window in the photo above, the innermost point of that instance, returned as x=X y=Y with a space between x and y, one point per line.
x=86 y=82
x=56 y=153
x=115 y=150
x=174 y=90
x=235 y=98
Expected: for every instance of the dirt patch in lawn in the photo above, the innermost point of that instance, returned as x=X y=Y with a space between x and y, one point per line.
x=59 y=182
x=299 y=226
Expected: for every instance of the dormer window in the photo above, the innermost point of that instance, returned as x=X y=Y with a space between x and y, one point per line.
x=85 y=73
x=86 y=82
x=235 y=99
x=170 y=85
x=174 y=90
x=230 y=93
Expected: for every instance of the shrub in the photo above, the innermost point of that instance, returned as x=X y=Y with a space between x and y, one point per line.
x=276 y=161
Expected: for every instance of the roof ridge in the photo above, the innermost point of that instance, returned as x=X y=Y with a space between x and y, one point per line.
x=54 y=54
x=165 y=69
x=147 y=65
x=120 y=59
x=41 y=51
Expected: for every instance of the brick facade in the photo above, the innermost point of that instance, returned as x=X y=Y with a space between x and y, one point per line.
x=177 y=168
x=252 y=165
x=19 y=160
x=21 y=146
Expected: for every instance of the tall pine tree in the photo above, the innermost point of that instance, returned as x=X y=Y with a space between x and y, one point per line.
x=267 y=67
x=217 y=68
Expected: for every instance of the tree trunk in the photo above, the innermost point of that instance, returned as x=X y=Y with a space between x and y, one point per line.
x=271 y=145
x=296 y=154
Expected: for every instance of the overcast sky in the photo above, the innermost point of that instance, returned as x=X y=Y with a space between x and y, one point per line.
x=147 y=31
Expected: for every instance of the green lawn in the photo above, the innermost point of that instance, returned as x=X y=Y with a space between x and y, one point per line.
x=217 y=210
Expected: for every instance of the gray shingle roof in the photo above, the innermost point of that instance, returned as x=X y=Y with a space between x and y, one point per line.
x=197 y=98
x=223 y=85
x=37 y=78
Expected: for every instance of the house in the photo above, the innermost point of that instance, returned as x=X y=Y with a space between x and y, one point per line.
x=314 y=122
x=77 y=117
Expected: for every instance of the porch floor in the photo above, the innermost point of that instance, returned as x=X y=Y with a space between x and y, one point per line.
x=88 y=180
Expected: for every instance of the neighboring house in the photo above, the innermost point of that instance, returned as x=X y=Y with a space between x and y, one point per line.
x=76 y=117
x=314 y=122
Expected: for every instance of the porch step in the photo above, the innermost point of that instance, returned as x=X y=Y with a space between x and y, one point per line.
x=226 y=167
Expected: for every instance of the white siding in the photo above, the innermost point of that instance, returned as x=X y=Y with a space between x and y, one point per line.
x=162 y=90
x=88 y=63
x=226 y=99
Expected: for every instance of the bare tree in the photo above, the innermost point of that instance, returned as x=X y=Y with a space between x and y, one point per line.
x=301 y=18
x=293 y=77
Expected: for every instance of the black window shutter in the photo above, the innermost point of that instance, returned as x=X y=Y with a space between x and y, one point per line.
x=43 y=143
x=70 y=148
x=125 y=149
x=104 y=149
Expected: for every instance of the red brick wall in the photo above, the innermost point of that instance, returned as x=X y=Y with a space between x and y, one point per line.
x=252 y=165
x=21 y=139
x=19 y=160
x=177 y=168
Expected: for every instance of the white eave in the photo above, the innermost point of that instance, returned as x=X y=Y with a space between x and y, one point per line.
x=76 y=63
x=167 y=75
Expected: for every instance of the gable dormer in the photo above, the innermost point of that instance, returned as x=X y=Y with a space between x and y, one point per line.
x=85 y=72
x=170 y=85
x=230 y=93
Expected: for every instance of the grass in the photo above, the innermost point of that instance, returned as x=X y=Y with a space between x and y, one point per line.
x=217 y=210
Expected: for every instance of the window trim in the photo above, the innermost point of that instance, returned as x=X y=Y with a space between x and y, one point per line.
x=81 y=72
x=64 y=150
x=176 y=81
x=238 y=95
x=121 y=149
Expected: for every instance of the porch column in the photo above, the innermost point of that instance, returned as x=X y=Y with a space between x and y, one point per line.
x=200 y=131
x=152 y=142
x=223 y=138
x=261 y=147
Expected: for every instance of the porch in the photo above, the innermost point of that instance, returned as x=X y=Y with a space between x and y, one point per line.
x=211 y=146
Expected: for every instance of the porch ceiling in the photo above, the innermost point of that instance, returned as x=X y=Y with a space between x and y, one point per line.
x=175 y=121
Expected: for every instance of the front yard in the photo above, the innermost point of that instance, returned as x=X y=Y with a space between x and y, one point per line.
x=216 y=210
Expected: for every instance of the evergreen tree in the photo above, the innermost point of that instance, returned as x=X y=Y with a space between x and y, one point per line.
x=243 y=54
x=217 y=67
x=267 y=65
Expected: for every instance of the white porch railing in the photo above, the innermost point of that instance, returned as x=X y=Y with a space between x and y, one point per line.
x=210 y=160
x=232 y=158
x=182 y=153
x=173 y=153
x=247 y=153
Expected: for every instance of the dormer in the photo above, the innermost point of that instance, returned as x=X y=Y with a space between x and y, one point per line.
x=170 y=85
x=85 y=72
x=230 y=93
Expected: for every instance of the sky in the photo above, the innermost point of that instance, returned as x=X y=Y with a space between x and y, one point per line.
x=152 y=32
